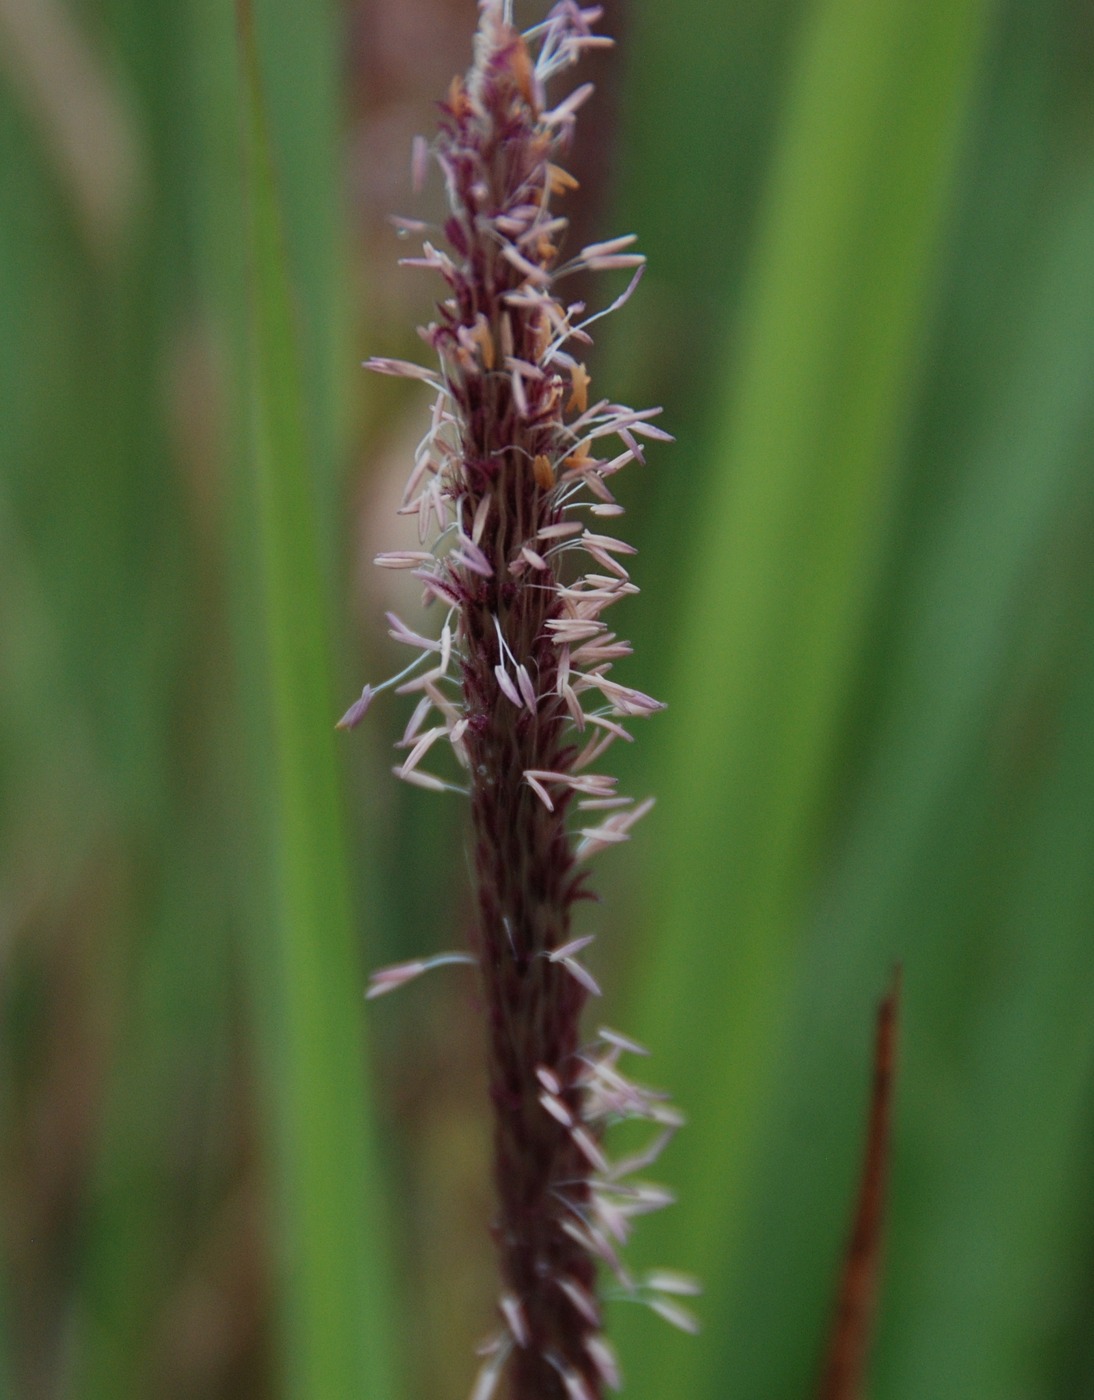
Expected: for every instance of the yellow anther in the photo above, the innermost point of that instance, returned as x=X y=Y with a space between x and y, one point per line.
x=559 y=180
x=480 y=334
x=579 y=392
x=521 y=65
x=458 y=100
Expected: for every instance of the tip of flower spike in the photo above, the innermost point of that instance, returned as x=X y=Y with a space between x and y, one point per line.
x=356 y=712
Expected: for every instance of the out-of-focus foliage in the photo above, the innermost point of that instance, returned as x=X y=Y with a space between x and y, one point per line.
x=867 y=593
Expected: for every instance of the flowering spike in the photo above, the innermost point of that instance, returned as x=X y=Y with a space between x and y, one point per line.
x=513 y=463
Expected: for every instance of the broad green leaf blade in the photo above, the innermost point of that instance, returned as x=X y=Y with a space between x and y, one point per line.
x=784 y=563
x=333 y=1263
x=1003 y=1174
x=699 y=122
x=127 y=992
x=1001 y=934
x=905 y=878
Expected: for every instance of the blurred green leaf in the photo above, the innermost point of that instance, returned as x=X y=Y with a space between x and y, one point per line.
x=330 y=1220
x=785 y=562
x=918 y=850
x=97 y=827
x=703 y=88
x=1006 y=1173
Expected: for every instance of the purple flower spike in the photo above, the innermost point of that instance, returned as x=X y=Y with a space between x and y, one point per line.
x=511 y=466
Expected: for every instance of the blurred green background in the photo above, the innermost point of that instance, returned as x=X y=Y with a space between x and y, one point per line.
x=867 y=595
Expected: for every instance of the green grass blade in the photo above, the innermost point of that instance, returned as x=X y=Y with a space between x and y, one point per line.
x=1003 y=1174
x=699 y=121
x=333 y=1266
x=98 y=564
x=906 y=874
x=785 y=564
x=1008 y=1044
